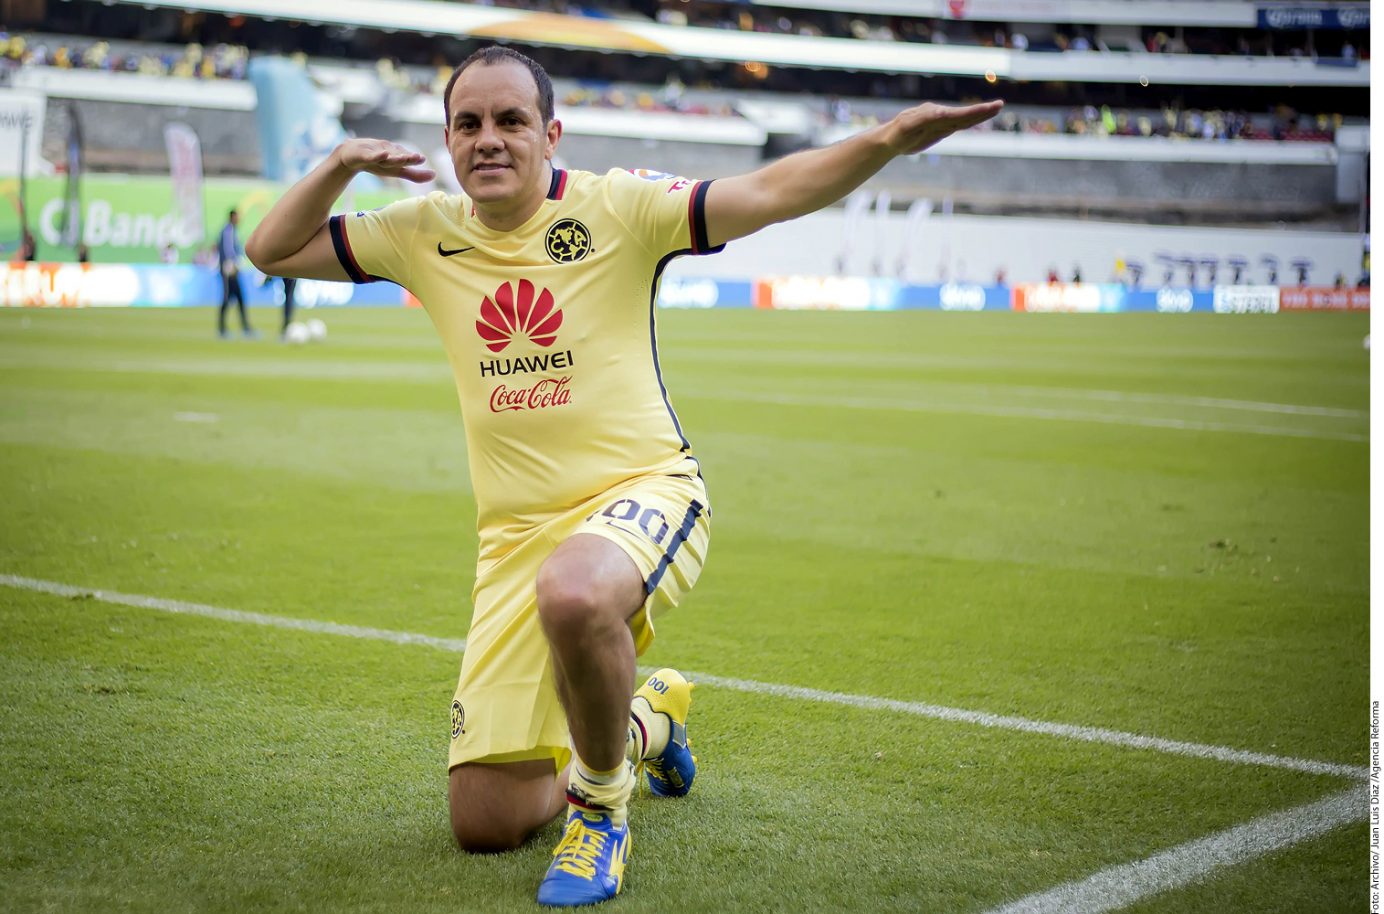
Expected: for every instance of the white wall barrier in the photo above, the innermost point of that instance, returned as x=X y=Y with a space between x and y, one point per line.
x=974 y=249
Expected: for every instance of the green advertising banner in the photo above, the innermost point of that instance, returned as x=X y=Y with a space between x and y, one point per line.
x=131 y=219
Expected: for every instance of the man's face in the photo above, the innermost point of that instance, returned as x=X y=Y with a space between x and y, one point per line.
x=497 y=138
x=235 y=218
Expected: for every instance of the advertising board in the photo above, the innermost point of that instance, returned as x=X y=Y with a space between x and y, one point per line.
x=106 y=285
x=1323 y=298
x=1245 y=299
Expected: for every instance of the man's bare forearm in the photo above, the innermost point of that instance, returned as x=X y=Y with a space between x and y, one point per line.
x=807 y=181
x=300 y=212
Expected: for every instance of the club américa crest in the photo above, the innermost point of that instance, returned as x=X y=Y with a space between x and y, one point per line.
x=458 y=719
x=567 y=241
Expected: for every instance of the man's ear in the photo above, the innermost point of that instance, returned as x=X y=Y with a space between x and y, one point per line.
x=554 y=134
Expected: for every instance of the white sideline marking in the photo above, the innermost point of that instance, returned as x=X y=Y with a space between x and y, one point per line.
x=1026 y=725
x=1123 y=885
x=230 y=615
x=1024 y=412
x=917 y=709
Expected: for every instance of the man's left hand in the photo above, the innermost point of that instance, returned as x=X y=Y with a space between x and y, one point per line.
x=918 y=128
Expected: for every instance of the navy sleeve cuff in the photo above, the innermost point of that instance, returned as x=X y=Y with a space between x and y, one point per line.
x=697 y=216
x=336 y=225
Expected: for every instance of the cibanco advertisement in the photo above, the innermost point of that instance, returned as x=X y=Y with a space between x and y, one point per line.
x=133 y=219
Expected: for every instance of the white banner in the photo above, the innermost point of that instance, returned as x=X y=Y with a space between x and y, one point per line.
x=1246 y=299
x=21 y=121
x=68 y=285
x=185 y=167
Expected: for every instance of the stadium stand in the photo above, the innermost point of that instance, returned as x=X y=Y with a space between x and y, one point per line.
x=1174 y=113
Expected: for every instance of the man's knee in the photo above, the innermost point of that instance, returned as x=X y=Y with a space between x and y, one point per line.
x=568 y=603
x=485 y=836
x=588 y=582
x=496 y=808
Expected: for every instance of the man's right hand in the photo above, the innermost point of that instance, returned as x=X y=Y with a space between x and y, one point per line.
x=294 y=238
x=386 y=159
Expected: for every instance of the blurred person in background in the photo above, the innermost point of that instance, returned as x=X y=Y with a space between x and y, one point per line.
x=592 y=511
x=228 y=258
x=28 y=248
x=289 y=286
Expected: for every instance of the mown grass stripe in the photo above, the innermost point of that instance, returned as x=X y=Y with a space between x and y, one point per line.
x=945 y=399
x=1123 y=885
x=918 y=709
x=951 y=390
x=1024 y=412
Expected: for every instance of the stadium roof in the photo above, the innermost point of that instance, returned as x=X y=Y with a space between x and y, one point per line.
x=434 y=18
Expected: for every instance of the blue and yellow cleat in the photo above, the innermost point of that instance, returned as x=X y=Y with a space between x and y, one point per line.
x=671 y=773
x=589 y=864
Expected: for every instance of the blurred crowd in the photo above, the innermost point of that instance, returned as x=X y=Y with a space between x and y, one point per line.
x=1283 y=124
x=223 y=61
x=668 y=98
x=229 y=61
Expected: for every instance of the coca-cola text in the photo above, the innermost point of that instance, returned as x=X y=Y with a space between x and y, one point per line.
x=545 y=393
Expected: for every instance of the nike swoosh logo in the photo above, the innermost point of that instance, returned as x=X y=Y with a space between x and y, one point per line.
x=446 y=253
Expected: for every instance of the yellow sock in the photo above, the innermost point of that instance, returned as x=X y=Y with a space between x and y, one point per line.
x=601 y=791
x=649 y=731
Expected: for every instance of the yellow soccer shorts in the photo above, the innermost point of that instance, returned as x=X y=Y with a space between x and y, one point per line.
x=506 y=707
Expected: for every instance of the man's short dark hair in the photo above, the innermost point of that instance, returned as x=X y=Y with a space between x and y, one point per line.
x=232 y=214
x=496 y=54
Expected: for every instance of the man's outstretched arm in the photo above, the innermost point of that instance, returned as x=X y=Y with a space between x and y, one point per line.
x=806 y=181
x=293 y=239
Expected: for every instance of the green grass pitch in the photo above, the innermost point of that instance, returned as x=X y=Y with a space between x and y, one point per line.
x=1147 y=523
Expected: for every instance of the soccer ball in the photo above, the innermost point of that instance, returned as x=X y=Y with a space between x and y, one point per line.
x=297 y=334
x=317 y=330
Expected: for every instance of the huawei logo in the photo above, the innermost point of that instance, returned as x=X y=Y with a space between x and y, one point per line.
x=513 y=313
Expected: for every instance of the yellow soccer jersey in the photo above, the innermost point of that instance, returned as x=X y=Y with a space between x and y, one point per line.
x=550 y=332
